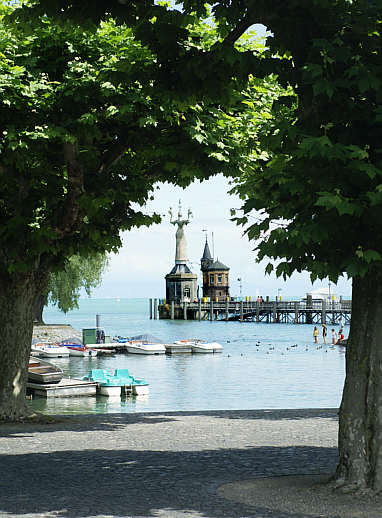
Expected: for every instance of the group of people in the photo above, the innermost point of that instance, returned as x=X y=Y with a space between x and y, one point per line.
x=336 y=337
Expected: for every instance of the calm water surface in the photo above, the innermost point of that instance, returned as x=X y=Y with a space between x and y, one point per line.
x=262 y=365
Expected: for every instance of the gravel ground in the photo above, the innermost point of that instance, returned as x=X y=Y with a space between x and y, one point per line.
x=173 y=465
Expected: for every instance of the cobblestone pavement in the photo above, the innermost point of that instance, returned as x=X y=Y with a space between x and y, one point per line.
x=158 y=464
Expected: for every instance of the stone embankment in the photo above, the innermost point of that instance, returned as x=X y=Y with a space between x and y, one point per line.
x=55 y=332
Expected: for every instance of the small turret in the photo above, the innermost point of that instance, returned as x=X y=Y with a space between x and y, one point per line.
x=215 y=276
x=206 y=260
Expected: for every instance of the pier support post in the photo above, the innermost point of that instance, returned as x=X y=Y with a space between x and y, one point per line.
x=241 y=310
x=155 y=309
x=184 y=310
x=274 y=312
x=309 y=309
x=323 y=312
x=257 y=311
x=212 y=310
x=151 y=308
x=172 y=310
x=226 y=310
x=296 y=312
x=199 y=309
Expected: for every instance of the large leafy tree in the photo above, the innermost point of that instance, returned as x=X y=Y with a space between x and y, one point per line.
x=90 y=123
x=65 y=286
x=317 y=180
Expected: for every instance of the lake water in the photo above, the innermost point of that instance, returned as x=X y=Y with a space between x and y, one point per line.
x=262 y=365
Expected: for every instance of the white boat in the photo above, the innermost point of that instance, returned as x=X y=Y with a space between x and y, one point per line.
x=178 y=347
x=206 y=347
x=138 y=347
x=81 y=350
x=49 y=350
x=201 y=346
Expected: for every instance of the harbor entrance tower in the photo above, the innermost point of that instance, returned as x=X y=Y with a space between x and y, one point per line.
x=181 y=283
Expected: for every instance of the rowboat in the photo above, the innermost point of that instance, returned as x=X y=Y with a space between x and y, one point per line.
x=41 y=371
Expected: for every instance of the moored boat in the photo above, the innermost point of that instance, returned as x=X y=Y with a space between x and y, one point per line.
x=80 y=350
x=115 y=384
x=46 y=350
x=206 y=347
x=201 y=346
x=41 y=371
x=139 y=347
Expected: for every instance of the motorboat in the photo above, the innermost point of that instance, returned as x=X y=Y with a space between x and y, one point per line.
x=41 y=371
x=117 y=383
x=46 y=350
x=180 y=346
x=140 y=347
x=80 y=350
x=206 y=347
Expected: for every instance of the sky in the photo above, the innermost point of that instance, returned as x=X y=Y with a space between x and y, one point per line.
x=148 y=254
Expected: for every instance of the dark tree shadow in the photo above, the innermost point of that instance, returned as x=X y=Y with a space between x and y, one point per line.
x=134 y=484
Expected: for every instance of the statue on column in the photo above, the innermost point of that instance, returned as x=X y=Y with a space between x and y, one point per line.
x=181 y=243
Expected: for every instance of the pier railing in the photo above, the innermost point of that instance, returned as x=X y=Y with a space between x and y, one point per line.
x=299 y=311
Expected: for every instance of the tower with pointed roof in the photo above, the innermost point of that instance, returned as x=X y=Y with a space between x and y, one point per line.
x=215 y=276
x=181 y=283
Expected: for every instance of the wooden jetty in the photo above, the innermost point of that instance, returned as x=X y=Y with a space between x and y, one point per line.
x=67 y=387
x=309 y=311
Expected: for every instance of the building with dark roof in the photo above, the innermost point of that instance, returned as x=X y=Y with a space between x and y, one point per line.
x=215 y=277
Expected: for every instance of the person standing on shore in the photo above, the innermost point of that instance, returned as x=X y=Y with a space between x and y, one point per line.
x=341 y=324
x=324 y=332
x=315 y=335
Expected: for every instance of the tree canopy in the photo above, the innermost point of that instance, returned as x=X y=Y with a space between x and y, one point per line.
x=92 y=120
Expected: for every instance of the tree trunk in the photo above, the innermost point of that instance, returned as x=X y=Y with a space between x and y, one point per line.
x=360 y=431
x=39 y=308
x=17 y=305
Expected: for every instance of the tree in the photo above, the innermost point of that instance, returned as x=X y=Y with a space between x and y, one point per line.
x=318 y=189
x=317 y=180
x=90 y=125
x=64 y=288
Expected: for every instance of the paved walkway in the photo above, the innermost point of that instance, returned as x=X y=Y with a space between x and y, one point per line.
x=172 y=465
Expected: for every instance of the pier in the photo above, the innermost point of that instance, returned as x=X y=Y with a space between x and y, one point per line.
x=309 y=311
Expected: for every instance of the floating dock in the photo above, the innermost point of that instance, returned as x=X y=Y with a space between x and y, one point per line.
x=67 y=387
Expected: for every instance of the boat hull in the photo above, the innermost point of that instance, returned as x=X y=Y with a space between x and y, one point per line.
x=212 y=347
x=84 y=353
x=178 y=348
x=41 y=371
x=145 y=348
x=50 y=351
x=110 y=391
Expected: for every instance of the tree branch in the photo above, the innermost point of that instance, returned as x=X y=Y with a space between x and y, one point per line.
x=72 y=211
x=238 y=31
x=112 y=156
